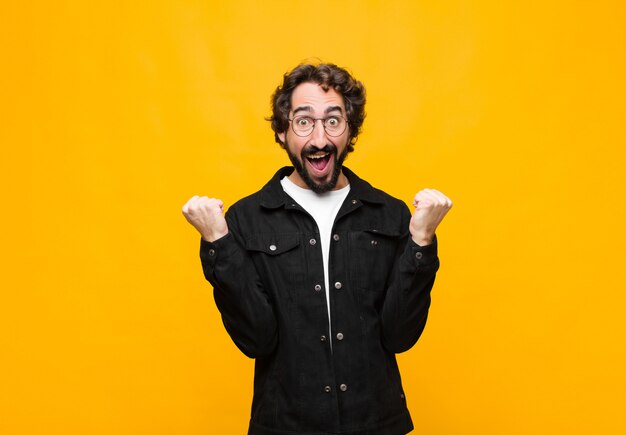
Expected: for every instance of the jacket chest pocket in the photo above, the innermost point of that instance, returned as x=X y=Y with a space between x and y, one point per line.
x=279 y=260
x=373 y=253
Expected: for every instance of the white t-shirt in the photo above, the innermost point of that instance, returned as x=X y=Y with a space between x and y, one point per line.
x=323 y=207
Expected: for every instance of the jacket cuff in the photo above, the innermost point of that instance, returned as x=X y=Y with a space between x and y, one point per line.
x=221 y=248
x=423 y=257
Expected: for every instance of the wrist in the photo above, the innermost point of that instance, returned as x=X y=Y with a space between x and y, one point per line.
x=212 y=237
x=422 y=239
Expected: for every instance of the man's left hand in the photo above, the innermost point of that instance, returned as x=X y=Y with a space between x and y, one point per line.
x=431 y=207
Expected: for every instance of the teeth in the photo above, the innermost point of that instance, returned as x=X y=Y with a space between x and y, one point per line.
x=318 y=156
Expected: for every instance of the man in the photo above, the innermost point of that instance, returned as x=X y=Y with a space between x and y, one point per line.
x=318 y=276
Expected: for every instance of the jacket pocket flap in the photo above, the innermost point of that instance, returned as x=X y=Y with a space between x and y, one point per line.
x=385 y=232
x=273 y=244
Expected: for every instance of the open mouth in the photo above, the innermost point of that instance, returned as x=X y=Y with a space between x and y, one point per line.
x=319 y=160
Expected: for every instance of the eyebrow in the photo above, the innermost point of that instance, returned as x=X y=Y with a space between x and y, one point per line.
x=333 y=109
x=310 y=109
x=303 y=109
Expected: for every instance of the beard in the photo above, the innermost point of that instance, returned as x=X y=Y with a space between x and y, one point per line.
x=300 y=167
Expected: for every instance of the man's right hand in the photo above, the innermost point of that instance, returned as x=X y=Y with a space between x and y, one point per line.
x=206 y=215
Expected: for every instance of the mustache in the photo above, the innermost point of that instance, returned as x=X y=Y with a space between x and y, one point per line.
x=309 y=150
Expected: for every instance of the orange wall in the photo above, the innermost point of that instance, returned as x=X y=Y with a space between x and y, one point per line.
x=112 y=114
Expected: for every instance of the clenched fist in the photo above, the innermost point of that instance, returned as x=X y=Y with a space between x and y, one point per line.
x=430 y=208
x=206 y=215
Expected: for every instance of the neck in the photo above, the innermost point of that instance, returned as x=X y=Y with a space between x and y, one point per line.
x=342 y=181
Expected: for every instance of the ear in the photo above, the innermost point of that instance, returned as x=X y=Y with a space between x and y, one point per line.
x=281 y=136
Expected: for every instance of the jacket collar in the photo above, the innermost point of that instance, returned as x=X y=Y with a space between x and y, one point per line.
x=273 y=195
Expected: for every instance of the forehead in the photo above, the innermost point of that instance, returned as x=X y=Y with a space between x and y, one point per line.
x=312 y=95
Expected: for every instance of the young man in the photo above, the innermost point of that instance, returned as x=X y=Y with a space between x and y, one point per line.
x=319 y=276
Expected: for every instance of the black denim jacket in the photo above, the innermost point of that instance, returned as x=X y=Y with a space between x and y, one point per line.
x=268 y=284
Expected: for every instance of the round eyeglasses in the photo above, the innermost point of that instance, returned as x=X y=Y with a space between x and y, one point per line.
x=303 y=125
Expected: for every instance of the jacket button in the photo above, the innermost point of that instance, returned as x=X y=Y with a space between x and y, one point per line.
x=312 y=241
x=317 y=287
x=272 y=247
x=354 y=201
x=323 y=338
x=340 y=336
x=211 y=252
x=343 y=387
x=338 y=285
x=327 y=389
x=336 y=237
x=419 y=255
x=374 y=242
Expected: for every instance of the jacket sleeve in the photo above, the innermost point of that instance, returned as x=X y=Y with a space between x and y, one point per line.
x=245 y=307
x=407 y=299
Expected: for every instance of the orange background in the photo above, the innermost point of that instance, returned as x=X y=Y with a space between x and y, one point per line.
x=114 y=113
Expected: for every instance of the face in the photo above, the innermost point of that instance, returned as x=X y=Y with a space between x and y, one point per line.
x=317 y=157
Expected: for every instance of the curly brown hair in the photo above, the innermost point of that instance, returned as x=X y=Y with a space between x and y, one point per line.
x=327 y=75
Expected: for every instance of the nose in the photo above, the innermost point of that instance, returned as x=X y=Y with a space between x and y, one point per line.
x=318 y=135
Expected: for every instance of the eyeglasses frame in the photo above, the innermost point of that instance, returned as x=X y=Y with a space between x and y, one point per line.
x=315 y=122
